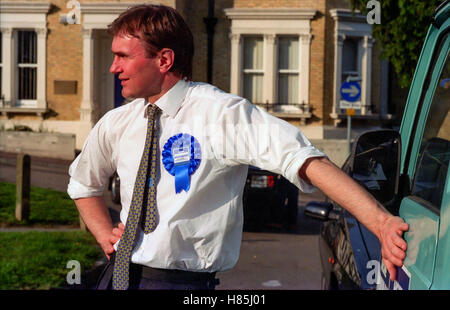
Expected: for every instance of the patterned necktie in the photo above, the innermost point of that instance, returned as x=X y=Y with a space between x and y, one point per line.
x=144 y=187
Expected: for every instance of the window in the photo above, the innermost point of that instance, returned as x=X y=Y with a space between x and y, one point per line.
x=434 y=154
x=350 y=60
x=270 y=58
x=253 y=70
x=288 y=70
x=23 y=64
x=27 y=66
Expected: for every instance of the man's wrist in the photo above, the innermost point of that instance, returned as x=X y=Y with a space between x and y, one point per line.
x=382 y=217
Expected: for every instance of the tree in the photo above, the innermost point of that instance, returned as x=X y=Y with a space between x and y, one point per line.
x=401 y=33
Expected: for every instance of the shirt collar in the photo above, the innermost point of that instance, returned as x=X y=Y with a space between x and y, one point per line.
x=171 y=101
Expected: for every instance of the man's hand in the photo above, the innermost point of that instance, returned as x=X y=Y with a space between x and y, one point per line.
x=339 y=187
x=108 y=245
x=393 y=246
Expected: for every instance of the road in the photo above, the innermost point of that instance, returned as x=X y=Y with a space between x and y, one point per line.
x=270 y=259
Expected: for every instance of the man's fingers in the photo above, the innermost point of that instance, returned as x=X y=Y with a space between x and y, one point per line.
x=399 y=242
x=404 y=227
x=117 y=232
x=391 y=269
x=114 y=239
x=108 y=250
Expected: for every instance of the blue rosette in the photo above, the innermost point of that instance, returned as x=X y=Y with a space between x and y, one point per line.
x=181 y=157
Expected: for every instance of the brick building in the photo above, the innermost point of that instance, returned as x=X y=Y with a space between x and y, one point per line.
x=289 y=56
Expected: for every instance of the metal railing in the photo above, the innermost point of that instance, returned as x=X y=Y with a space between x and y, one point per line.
x=301 y=108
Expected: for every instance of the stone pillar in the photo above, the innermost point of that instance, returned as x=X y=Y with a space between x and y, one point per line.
x=304 y=63
x=236 y=63
x=87 y=103
x=338 y=47
x=41 y=69
x=8 y=53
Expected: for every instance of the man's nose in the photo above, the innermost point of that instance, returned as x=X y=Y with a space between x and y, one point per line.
x=115 y=67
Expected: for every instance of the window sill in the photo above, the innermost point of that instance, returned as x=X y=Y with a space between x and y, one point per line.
x=338 y=117
x=291 y=114
x=7 y=111
x=286 y=111
x=363 y=116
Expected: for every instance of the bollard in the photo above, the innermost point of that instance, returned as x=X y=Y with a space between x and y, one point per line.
x=23 y=187
x=83 y=226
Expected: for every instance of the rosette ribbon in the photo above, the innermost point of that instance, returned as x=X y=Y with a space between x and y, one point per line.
x=181 y=157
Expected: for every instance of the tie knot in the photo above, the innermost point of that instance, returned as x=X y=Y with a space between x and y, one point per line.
x=152 y=110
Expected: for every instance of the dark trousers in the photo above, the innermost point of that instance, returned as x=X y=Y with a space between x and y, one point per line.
x=146 y=278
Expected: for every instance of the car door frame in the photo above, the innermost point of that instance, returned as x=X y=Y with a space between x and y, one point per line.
x=424 y=219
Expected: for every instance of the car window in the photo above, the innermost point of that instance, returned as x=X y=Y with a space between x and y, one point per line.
x=433 y=157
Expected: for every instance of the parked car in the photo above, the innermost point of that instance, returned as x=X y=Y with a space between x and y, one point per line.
x=114 y=187
x=269 y=201
x=407 y=171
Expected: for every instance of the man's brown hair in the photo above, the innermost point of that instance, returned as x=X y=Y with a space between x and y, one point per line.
x=158 y=27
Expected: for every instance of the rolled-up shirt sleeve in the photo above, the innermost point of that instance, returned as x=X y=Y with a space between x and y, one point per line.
x=91 y=170
x=265 y=141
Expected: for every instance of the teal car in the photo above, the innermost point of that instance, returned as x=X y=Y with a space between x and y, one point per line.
x=423 y=179
x=407 y=171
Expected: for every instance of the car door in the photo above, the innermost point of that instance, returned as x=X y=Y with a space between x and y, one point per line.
x=427 y=169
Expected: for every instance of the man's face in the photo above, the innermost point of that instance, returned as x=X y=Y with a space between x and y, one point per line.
x=140 y=76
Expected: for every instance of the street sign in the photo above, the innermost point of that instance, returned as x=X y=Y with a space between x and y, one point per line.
x=350 y=94
x=350 y=91
x=350 y=112
x=349 y=105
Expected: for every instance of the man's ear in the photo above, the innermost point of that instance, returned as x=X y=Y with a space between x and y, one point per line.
x=166 y=59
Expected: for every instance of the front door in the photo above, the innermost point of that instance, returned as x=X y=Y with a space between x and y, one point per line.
x=104 y=86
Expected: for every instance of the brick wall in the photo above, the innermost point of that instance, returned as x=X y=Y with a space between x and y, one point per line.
x=65 y=48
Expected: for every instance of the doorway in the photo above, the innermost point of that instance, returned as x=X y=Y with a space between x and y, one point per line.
x=107 y=88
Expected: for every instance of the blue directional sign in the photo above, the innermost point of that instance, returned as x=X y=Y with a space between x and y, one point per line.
x=350 y=91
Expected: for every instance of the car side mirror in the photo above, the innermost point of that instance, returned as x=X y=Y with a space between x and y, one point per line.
x=376 y=163
x=321 y=210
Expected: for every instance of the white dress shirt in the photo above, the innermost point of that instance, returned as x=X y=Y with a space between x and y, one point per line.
x=201 y=229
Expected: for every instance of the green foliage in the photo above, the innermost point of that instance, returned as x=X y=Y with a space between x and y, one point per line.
x=47 y=207
x=403 y=28
x=38 y=260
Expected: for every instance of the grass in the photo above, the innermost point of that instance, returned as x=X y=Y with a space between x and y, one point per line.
x=47 y=207
x=38 y=260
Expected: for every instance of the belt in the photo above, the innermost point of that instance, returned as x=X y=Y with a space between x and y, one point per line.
x=170 y=275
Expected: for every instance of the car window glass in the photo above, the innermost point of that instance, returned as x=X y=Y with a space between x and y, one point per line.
x=434 y=154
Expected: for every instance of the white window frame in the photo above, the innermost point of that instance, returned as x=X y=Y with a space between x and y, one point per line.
x=24 y=102
x=14 y=17
x=271 y=24
x=297 y=72
x=349 y=24
x=253 y=72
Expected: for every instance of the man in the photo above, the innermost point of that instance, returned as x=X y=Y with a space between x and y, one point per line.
x=174 y=148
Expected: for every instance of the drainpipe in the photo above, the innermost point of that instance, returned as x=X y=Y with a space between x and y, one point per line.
x=210 y=23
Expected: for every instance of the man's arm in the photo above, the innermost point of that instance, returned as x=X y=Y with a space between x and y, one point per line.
x=95 y=214
x=342 y=189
